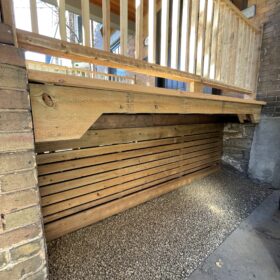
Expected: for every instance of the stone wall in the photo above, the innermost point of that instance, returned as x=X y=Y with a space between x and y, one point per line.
x=22 y=243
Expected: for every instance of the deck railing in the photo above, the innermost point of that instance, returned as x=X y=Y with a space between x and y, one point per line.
x=211 y=42
x=80 y=72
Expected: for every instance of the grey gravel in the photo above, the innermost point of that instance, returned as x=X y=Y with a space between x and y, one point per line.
x=166 y=238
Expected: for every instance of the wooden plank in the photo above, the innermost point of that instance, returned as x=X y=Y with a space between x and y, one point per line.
x=164 y=32
x=33 y=15
x=123 y=26
x=201 y=36
x=149 y=175
x=139 y=29
x=152 y=31
x=218 y=65
x=214 y=41
x=208 y=35
x=86 y=23
x=91 y=204
x=74 y=222
x=95 y=151
x=91 y=161
x=111 y=170
x=77 y=196
x=185 y=31
x=193 y=36
x=239 y=58
x=54 y=125
x=175 y=34
x=62 y=19
x=106 y=24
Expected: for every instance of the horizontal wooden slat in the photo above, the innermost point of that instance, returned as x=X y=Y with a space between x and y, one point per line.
x=115 y=136
x=87 y=152
x=90 y=161
x=74 y=222
x=90 y=193
x=82 y=172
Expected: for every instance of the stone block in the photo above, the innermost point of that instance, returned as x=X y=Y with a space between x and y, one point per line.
x=16 y=141
x=15 y=121
x=3 y=259
x=14 y=99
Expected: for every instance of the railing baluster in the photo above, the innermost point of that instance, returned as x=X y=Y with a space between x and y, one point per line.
x=34 y=16
x=86 y=22
x=164 y=32
x=185 y=30
x=139 y=29
x=214 y=39
x=106 y=24
x=123 y=26
x=193 y=36
x=152 y=32
x=175 y=33
x=201 y=37
x=62 y=19
x=208 y=33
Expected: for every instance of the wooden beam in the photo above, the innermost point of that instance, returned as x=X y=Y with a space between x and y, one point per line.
x=164 y=32
x=139 y=29
x=106 y=24
x=86 y=23
x=175 y=34
x=123 y=26
x=62 y=19
x=34 y=17
x=62 y=113
x=152 y=31
x=196 y=87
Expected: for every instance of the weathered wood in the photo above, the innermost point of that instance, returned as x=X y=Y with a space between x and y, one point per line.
x=123 y=26
x=60 y=114
x=6 y=34
x=12 y=77
x=175 y=34
x=164 y=32
x=86 y=23
x=139 y=29
x=152 y=31
x=74 y=222
x=34 y=17
x=185 y=30
x=11 y=55
x=106 y=24
x=62 y=19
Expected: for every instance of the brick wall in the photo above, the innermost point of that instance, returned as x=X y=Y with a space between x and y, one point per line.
x=22 y=243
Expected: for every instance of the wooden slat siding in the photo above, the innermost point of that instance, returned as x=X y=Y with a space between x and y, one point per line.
x=175 y=34
x=239 y=58
x=33 y=15
x=62 y=19
x=225 y=44
x=85 y=22
x=90 y=161
x=111 y=170
x=164 y=32
x=123 y=26
x=214 y=39
x=74 y=222
x=185 y=33
x=208 y=35
x=201 y=36
x=233 y=49
x=86 y=152
x=193 y=36
x=85 y=206
x=71 y=198
x=152 y=31
x=106 y=24
x=104 y=137
x=139 y=29
x=220 y=42
x=245 y=52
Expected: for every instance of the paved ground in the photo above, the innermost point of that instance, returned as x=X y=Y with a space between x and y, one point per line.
x=166 y=238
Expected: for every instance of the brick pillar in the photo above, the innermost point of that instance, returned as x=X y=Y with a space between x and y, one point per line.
x=22 y=243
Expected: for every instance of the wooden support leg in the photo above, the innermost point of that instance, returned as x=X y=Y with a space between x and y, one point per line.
x=196 y=87
x=255 y=118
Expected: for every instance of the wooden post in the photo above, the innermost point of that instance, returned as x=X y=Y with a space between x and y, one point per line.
x=62 y=19
x=175 y=33
x=86 y=22
x=185 y=30
x=123 y=26
x=106 y=24
x=34 y=17
x=152 y=32
x=164 y=32
x=139 y=29
x=196 y=87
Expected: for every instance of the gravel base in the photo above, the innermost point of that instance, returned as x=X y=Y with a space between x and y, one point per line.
x=166 y=238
